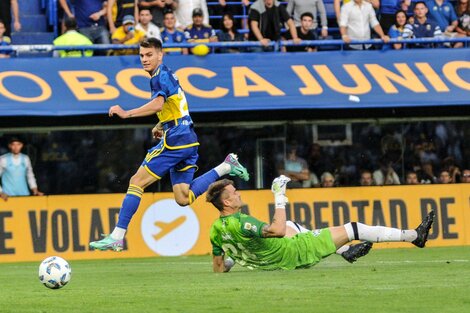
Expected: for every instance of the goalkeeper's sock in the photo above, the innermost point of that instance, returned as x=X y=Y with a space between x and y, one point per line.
x=359 y=231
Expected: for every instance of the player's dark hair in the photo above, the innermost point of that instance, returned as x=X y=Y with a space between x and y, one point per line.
x=306 y=14
x=215 y=191
x=151 y=43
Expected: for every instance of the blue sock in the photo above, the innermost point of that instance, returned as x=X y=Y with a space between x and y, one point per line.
x=200 y=184
x=129 y=205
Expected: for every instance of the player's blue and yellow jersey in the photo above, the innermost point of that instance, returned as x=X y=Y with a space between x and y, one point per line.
x=174 y=115
x=240 y=237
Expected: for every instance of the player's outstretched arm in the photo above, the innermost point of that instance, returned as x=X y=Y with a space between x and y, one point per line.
x=218 y=263
x=277 y=228
x=150 y=108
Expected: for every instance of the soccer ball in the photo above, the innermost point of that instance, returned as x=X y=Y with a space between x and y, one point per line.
x=54 y=272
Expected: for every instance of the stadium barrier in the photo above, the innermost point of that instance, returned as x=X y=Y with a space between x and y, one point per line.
x=340 y=44
x=32 y=228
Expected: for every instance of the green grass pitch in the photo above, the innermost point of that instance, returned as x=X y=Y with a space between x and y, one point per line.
x=386 y=280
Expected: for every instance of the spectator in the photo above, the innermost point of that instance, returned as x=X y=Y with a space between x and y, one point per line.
x=16 y=172
x=442 y=12
x=158 y=8
x=366 y=178
x=296 y=9
x=228 y=33
x=445 y=177
x=198 y=31
x=172 y=35
x=327 y=180
x=427 y=175
x=421 y=27
x=4 y=40
x=184 y=16
x=387 y=13
x=462 y=9
x=337 y=6
x=127 y=35
x=304 y=32
x=357 y=17
x=145 y=24
x=397 y=29
x=90 y=16
x=454 y=171
x=412 y=178
x=72 y=38
x=123 y=8
x=465 y=176
x=232 y=10
x=266 y=19
x=294 y=167
x=7 y=7
x=386 y=175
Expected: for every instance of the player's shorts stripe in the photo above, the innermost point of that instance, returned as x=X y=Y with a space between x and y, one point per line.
x=356 y=232
x=192 y=197
x=188 y=167
x=179 y=147
x=151 y=173
x=153 y=154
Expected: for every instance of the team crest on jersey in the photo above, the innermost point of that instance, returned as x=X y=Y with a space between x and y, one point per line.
x=247 y=226
x=316 y=232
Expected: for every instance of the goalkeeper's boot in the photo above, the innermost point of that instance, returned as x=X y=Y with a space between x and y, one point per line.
x=279 y=185
x=423 y=230
x=236 y=169
x=107 y=243
x=356 y=251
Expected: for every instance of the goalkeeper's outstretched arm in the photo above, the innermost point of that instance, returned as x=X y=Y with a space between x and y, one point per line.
x=277 y=228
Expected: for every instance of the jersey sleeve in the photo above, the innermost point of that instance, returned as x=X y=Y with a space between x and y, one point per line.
x=251 y=226
x=161 y=85
x=216 y=248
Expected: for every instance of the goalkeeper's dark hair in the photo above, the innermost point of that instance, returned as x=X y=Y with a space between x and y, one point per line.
x=215 y=192
x=151 y=43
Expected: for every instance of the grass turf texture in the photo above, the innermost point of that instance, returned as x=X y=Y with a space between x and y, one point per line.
x=390 y=280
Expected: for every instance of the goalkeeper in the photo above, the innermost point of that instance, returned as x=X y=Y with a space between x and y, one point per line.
x=256 y=244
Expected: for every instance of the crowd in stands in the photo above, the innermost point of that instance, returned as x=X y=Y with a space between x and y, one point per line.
x=101 y=161
x=263 y=21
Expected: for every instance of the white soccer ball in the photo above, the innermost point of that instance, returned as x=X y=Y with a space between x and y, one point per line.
x=54 y=272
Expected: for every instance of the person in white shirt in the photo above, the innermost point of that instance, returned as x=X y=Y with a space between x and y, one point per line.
x=357 y=18
x=184 y=12
x=145 y=24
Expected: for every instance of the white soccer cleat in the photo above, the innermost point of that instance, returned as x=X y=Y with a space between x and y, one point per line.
x=279 y=184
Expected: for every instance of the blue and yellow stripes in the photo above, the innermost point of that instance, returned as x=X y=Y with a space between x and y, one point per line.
x=135 y=191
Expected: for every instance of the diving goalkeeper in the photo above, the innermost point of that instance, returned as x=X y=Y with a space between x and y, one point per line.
x=256 y=244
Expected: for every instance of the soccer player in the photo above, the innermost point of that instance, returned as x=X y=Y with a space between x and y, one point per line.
x=255 y=244
x=176 y=151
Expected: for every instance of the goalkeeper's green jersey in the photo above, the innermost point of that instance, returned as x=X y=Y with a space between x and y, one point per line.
x=239 y=236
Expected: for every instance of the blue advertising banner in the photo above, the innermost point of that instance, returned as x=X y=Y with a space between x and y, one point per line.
x=233 y=82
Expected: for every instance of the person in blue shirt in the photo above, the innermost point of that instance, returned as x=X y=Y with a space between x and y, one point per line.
x=387 y=11
x=177 y=151
x=398 y=28
x=4 y=40
x=198 y=32
x=422 y=27
x=16 y=172
x=442 y=12
x=170 y=34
